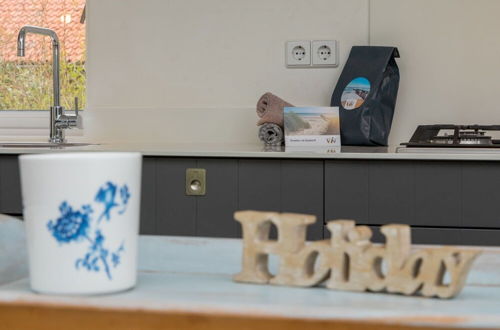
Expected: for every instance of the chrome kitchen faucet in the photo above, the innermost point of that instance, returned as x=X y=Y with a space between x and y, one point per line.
x=59 y=121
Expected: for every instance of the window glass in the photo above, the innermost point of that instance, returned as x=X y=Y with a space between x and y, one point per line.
x=26 y=82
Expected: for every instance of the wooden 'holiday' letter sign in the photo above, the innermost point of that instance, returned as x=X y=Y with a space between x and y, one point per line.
x=348 y=261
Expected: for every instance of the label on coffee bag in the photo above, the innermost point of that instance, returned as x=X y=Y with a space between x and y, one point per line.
x=355 y=93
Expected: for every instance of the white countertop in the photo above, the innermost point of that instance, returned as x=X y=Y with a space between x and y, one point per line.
x=260 y=151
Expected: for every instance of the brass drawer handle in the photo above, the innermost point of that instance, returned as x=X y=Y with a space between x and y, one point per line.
x=196 y=184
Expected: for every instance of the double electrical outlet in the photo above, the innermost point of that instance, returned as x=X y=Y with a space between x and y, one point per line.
x=316 y=53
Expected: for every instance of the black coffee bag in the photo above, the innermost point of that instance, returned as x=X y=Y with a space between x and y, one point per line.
x=366 y=95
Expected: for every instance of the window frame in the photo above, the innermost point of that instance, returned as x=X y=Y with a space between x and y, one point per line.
x=35 y=123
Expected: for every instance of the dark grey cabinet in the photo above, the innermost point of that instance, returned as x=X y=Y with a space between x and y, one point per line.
x=347 y=191
x=426 y=235
x=437 y=194
x=175 y=212
x=451 y=236
x=445 y=202
x=214 y=211
x=10 y=185
x=232 y=184
x=302 y=191
x=148 y=196
x=488 y=237
x=378 y=192
x=391 y=187
x=481 y=195
x=209 y=215
x=283 y=186
x=259 y=185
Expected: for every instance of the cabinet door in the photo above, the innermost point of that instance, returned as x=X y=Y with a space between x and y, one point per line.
x=148 y=196
x=438 y=194
x=381 y=192
x=10 y=185
x=391 y=192
x=175 y=212
x=283 y=186
x=259 y=185
x=481 y=194
x=208 y=215
x=347 y=191
x=215 y=210
x=302 y=191
x=426 y=235
x=447 y=236
x=485 y=237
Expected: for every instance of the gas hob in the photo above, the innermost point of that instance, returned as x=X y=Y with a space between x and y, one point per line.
x=454 y=138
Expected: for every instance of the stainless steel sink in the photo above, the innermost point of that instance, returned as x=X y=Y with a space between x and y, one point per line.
x=42 y=145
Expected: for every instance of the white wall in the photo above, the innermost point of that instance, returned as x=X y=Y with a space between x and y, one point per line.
x=450 y=51
x=192 y=70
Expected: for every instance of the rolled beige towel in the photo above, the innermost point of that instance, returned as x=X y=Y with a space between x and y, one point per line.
x=270 y=109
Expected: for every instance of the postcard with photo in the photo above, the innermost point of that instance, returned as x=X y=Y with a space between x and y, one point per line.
x=312 y=126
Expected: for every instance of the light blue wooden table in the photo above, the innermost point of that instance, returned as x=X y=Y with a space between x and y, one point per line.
x=186 y=283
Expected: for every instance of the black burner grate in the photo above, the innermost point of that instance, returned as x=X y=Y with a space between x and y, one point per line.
x=463 y=136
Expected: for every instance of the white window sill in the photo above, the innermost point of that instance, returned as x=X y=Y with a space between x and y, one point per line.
x=28 y=124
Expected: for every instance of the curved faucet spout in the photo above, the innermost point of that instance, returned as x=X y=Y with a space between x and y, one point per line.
x=36 y=30
x=56 y=111
x=55 y=53
x=20 y=42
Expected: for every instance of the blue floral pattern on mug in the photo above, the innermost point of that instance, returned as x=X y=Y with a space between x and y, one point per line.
x=71 y=225
x=125 y=196
x=76 y=225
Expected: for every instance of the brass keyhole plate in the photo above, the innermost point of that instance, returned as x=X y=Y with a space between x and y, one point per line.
x=196 y=183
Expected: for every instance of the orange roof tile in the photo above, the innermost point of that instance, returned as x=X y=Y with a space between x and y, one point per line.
x=63 y=16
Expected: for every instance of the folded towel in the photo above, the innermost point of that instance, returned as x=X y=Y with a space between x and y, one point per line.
x=270 y=109
x=271 y=134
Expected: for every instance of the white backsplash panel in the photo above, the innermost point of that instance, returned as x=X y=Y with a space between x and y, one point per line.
x=199 y=66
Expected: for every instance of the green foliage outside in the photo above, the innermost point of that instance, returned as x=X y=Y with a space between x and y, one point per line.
x=28 y=86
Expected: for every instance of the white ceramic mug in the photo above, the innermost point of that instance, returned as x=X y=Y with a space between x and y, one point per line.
x=82 y=220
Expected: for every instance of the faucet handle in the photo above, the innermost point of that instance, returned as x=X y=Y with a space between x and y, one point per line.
x=79 y=122
x=78 y=119
x=76 y=106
